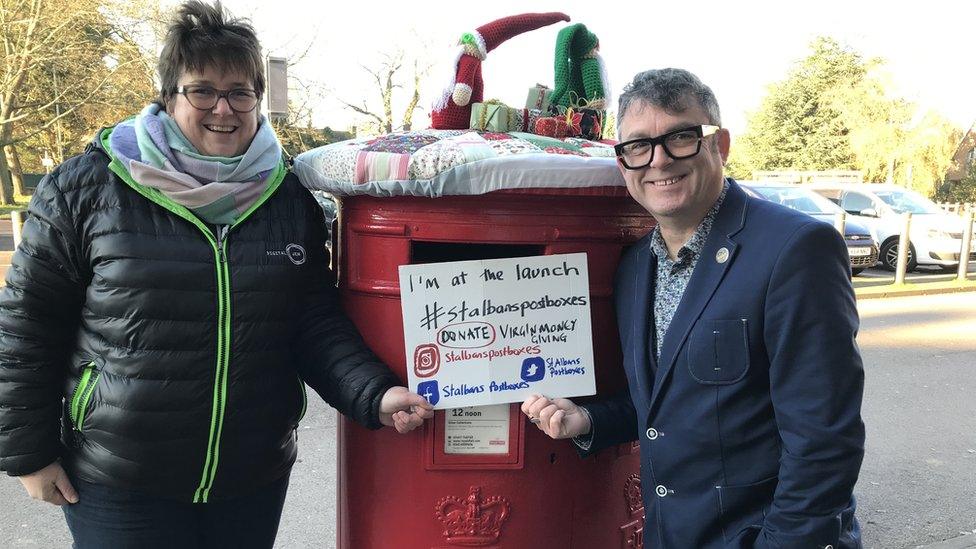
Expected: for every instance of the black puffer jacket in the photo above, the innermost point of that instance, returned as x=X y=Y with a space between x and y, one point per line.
x=168 y=356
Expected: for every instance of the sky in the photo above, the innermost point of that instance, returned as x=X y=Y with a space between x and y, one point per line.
x=737 y=47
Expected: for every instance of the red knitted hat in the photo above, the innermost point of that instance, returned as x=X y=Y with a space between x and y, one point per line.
x=500 y=30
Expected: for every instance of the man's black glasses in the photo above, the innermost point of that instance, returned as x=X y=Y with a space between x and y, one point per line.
x=637 y=154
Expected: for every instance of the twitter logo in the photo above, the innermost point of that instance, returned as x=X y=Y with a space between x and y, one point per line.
x=533 y=369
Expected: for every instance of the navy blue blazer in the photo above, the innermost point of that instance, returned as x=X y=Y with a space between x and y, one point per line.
x=750 y=431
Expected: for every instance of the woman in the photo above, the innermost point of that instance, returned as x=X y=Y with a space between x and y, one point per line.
x=170 y=295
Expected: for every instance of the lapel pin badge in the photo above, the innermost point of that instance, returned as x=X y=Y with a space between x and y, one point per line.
x=722 y=255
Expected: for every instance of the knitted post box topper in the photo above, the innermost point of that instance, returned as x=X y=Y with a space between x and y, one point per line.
x=581 y=77
x=452 y=110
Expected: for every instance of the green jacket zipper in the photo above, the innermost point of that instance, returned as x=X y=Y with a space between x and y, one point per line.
x=202 y=492
x=219 y=244
x=82 y=394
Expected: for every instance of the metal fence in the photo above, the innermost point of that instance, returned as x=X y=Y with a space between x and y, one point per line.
x=957 y=208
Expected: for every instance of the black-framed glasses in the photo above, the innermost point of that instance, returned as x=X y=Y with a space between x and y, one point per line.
x=205 y=98
x=637 y=154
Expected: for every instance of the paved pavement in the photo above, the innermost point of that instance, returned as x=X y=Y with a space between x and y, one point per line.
x=878 y=283
x=6 y=236
x=967 y=541
x=919 y=473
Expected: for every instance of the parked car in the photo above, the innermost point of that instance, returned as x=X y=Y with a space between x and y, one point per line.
x=862 y=246
x=935 y=237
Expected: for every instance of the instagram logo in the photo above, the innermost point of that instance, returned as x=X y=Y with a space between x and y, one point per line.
x=426 y=360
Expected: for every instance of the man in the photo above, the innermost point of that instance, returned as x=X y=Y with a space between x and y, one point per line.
x=737 y=322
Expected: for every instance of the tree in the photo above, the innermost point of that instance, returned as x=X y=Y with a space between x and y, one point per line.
x=834 y=111
x=892 y=139
x=64 y=66
x=386 y=79
x=296 y=132
x=959 y=191
x=795 y=126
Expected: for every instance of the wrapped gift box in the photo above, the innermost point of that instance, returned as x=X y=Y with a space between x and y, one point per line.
x=497 y=117
x=564 y=125
x=538 y=98
x=591 y=124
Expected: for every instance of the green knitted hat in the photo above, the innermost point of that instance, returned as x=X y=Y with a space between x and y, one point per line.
x=573 y=44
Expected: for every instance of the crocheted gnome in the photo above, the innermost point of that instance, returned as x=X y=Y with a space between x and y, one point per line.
x=580 y=73
x=452 y=110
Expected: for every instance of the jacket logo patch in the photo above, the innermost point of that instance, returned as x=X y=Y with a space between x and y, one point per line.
x=294 y=252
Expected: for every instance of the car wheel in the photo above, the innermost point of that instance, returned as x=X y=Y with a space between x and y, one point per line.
x=889 y=256
x=857 y=271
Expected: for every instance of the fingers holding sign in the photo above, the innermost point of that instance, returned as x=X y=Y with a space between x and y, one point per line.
x=404 y=410
x=558 y=417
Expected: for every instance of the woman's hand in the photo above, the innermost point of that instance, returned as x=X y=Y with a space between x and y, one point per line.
x=403 y=410
x=50 y=484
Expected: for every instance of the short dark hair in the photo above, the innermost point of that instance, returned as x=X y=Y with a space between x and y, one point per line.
x=201 y=36
x=669 y=89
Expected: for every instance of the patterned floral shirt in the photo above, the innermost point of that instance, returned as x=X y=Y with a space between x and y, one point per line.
x=673 y=275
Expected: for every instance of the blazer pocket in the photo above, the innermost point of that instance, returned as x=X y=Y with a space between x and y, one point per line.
x=718 y=351
x=744 y=507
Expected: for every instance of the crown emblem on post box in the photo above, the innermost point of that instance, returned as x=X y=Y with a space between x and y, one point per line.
x=632 y=493
x=473 y=520
x=633 y=531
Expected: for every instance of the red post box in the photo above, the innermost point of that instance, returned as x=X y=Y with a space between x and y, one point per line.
x=419 y=491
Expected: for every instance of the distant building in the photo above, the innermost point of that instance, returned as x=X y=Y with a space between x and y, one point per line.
x=964 y=159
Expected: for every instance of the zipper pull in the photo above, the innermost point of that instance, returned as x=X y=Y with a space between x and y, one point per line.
x=221 y=239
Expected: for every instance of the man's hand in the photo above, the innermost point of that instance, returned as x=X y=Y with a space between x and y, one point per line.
x=403 y=410
x=50 y=484
x=558 y=418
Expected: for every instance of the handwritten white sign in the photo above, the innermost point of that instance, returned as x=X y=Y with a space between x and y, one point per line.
x=495 y=331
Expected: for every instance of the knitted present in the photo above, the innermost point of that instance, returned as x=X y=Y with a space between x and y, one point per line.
x=493 y=116
x=538 y=98
x=562 y=126
x=490 y=116
x=591 y=124
x=523 y=120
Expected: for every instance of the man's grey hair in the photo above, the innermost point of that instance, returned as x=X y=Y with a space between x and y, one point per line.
x=668 y=89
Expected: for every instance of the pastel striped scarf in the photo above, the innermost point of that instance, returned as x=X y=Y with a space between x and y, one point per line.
x=216 y=189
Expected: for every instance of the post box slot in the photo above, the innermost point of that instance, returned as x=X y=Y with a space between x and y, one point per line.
x=440 y=252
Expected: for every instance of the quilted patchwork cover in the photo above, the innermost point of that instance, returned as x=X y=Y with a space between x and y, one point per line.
x=434 y=163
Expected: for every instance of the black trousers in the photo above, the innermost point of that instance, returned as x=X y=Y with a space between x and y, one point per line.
x=109 y=518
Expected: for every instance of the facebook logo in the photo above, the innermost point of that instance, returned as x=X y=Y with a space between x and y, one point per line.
x=533 y=368
x=428 y=390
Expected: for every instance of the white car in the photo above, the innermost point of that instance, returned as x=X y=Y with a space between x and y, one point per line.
x=935 y=236
x=862 y=242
